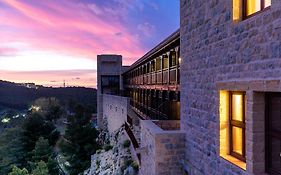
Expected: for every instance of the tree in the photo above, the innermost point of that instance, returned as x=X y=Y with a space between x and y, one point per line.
x=79 y=143
x=34 y=127
x=42 y=150
x=18 y=171
x=49 y=108
x=11 y=149
x=40 y=169
x=53 y=166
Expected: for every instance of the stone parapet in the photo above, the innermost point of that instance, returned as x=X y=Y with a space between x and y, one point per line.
x=161 y=150
x=115 y=111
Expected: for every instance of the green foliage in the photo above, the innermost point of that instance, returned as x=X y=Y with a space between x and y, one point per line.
x=98 y=163
x=41 y=169
x=98 y=151
x=80 y=140
x=34 y=127
x=11 y=149
x=128 y=162
x=107 y=147
x=135 y=166
x=126 y=143
x=52 y=166
x=50 y=108
x=18 y=171
x=42 y=150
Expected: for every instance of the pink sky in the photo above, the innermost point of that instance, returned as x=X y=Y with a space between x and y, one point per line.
x=47 y=42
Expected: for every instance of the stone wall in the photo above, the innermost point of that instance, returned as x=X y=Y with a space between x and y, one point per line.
x=115 y=111
x=106 y=65
x=215 y=49
x=161 y=151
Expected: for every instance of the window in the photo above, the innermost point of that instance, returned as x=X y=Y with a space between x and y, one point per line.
x=110 y=84
x=243 y=9
x=237 y=125
x=165 y=62
x=232 y=127
x=158 y=63
x=173 y=59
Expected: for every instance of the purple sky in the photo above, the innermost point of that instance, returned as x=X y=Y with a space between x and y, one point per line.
x=47 y=42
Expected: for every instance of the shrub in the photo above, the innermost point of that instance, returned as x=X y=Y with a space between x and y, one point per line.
x=98 y=163
x=126 y=143
x=128 y=162
x=98 y=151
x=107 y=147
x=135 y=166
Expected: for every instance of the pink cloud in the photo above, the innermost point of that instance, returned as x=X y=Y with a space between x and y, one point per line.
x=68 y=28
x=6 y=51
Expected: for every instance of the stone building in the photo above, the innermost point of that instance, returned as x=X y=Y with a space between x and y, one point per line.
x=206 y=100
x=230 y=86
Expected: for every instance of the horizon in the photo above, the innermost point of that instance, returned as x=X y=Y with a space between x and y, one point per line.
x=45 y=43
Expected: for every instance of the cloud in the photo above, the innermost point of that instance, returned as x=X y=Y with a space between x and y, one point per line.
x=5 y=51
x=95 y=9
x=42 y=37
x=146 y=28
x=118 y=34
x=54 y=27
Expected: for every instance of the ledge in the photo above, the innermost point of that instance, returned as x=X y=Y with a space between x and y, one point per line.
x=234 y=161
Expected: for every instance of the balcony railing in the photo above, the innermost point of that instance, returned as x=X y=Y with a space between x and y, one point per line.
x=164 y=76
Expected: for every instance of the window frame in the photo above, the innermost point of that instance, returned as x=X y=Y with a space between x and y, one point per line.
x=244 y=9
x=238 y=124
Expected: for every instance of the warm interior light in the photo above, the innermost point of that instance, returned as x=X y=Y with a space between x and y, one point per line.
x=267 y=3
x=237 y=140
x=224 y=122
x=237 y=107
x=225 y=130
x=237 y=9
x=179 y=60
x=253 y=6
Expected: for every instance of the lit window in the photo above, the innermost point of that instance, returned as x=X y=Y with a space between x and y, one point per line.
x=246 y=8
x=237 y=125
x=232 y=127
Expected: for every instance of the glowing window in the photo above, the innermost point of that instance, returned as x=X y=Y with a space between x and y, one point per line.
x=254 y=6
x=243 y=9
x=237 y=125
x=232 y=127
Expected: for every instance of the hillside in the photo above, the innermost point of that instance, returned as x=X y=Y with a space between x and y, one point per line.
x=20 y=96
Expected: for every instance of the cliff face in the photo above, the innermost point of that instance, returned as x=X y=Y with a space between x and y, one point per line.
x=115 y=158
x=19 y=96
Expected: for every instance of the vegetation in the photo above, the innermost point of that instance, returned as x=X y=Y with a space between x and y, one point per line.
x=40 y=169
x=135 y=166
x=18 y=171
x=79 y=141
x=50 y=108
x=11 y=149
x=30 y=145
x=126 y=143
x=17 y=96
x=107 y=147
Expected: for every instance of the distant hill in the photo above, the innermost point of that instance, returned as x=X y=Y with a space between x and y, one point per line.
x=20 y=96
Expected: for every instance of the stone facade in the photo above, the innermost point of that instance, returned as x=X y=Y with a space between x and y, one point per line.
x=115 y=111
x=162 y=150
x=221 y=54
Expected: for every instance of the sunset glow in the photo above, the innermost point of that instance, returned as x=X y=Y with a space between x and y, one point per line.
x=47 y=42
